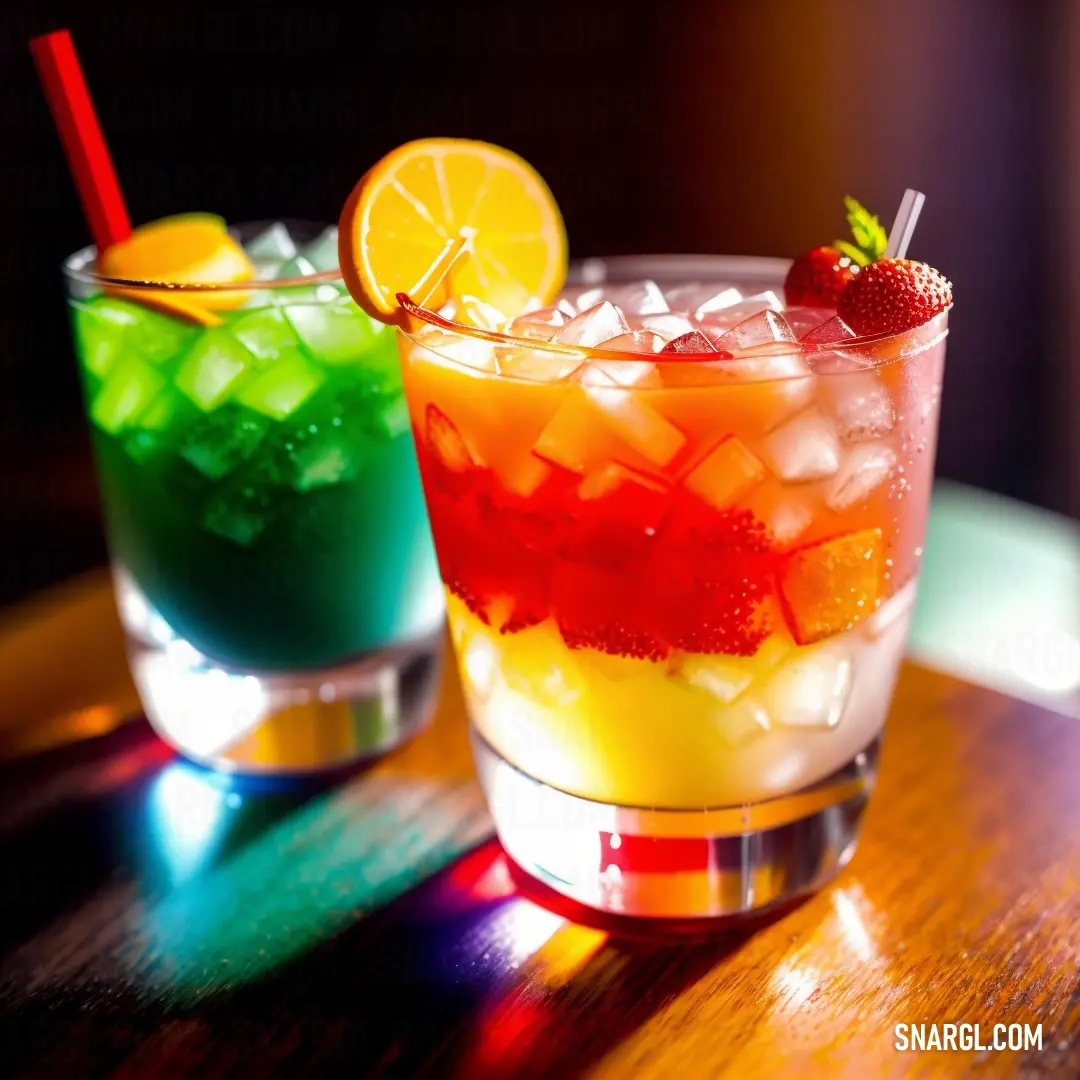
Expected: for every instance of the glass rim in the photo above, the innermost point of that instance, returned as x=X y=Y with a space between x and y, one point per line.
x=74 y=268
x=593 y=272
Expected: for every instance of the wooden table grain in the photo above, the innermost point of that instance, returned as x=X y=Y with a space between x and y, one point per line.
x=158 y=919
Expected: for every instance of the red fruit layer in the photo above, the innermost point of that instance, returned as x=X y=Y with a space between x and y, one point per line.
x=623 y=562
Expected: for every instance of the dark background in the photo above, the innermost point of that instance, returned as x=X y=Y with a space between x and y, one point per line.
x=732 y=126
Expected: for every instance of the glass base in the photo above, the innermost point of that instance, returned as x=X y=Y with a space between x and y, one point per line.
x=297 y=722
x=678 y=864
x=276 y=722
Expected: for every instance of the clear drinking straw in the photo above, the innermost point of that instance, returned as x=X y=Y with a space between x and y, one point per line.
x=904 y=226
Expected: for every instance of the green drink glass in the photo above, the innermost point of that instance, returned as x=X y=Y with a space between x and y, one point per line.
x=273 y=565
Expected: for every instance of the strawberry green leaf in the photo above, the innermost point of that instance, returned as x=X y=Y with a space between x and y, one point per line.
x=870 y=236
x=858 y=257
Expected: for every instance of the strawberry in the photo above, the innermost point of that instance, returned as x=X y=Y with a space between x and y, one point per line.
x=818 y=277
x=894 y=295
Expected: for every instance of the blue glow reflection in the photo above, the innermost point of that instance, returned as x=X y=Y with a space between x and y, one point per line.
x=186 y=811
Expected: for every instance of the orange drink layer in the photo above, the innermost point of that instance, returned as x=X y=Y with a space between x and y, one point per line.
x=677 y=583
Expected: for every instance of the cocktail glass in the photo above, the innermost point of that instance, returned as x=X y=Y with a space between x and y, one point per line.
x=271 y=554
x=679 y=587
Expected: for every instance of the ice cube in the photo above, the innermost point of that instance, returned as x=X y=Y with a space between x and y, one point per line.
x=390 y=416
x=213 y=369
x=802 y=320
x=572 y=294
x=266 y=334
x=542 y=323
x=480 y=664
x=271 y=245
x=265 y=270
x=471 y=311
x=694 y=371
x=638 y=424
x=759 y=329
x=296 y=267
x=571 y=438
x=742 y=722
x=804 y=448
x=595 y=424
x=721 y=677
x=599 y=323
x=837 y=361
x=144 y=445
x=721 y=301
x=861 y=405
x=240 y=512
x=101 y=327
x=279 y=390
x=534 y=304
x=832 y=361
x=543 y=671
x=811 y=689
x=668 y=325
x=107 y=327
x=537 y=364
x=216 y=443
x=819 y=331
x=461 y=349
x=637 y=298
x=761 y=300
x=643 y=341
x=330 y=457
x=583 y=299
x=745 y=309
x=523 y=475
x=690 y=344
x=322 y=252
x=128 y=390
x=785 y=382
x=338 y=333
x=625 y=372
x=620 y=373
x=726 y=473
x=785 y=512
x=168 y=408
x=702 y=298
x=864 y=468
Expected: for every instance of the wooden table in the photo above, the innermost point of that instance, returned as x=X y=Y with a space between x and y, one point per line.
x=155 y=918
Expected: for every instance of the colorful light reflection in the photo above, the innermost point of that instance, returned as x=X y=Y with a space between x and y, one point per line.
x=185 y=812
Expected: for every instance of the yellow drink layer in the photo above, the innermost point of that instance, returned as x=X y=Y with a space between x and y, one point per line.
x=695 y=732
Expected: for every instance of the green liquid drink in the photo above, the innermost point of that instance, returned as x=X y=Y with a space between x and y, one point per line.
x=264 y=508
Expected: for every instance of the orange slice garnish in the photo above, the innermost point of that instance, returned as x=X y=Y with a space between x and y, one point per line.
x=443 y=218
x=167 y=303
x=188 y=249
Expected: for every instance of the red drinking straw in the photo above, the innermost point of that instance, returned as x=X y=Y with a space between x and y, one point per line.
x=80 y=133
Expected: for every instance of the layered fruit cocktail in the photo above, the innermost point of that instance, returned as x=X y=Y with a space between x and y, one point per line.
x=273 y=558
x=678 y=510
